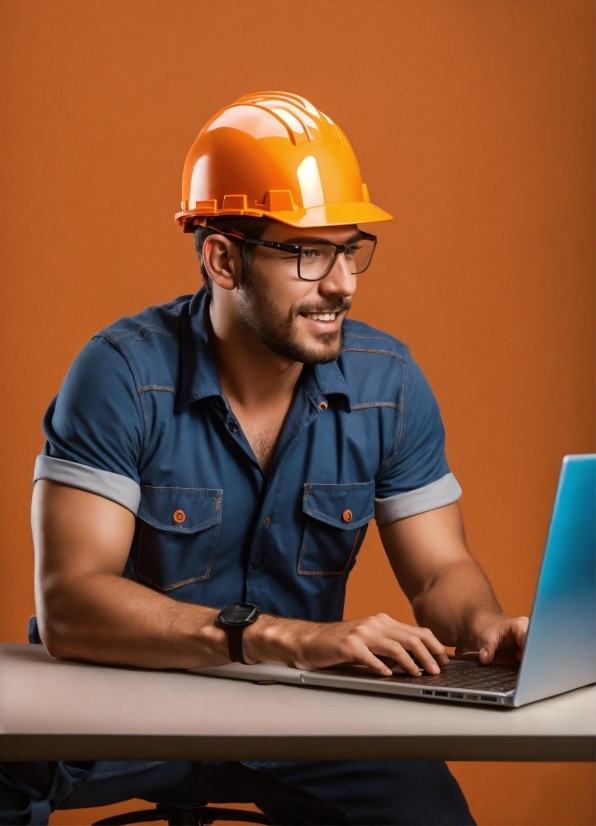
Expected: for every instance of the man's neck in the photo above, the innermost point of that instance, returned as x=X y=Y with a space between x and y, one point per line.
x=259 y=384
x=252 y=375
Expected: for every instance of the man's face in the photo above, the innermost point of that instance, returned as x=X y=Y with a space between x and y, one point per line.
x=300 y=320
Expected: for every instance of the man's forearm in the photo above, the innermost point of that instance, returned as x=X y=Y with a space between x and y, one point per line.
x=105 y=618
x=455 y=603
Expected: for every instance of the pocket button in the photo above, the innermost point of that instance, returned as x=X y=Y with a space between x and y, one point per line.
x=179 y=516
x=347 y=516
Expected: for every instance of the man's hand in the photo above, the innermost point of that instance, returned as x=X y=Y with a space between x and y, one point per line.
x=312 y=645
x=496 y=637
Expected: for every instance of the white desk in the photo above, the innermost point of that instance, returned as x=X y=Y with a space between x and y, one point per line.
x=51 y=710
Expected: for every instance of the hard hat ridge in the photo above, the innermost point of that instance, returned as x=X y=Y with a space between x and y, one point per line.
x=302 y=119
x=274 y=154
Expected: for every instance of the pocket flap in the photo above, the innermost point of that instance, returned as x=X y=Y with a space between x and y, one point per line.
x=343 y=506
x=180 y=510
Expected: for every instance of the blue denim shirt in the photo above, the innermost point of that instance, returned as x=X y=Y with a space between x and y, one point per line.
x=141 y=419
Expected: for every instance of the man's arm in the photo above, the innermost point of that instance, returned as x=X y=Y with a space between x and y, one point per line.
x=88 y=611
x=446 y=587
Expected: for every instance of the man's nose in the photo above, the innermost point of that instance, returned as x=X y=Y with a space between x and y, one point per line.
x=340 y=281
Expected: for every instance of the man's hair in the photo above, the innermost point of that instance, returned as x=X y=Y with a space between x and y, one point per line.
x=249 y=227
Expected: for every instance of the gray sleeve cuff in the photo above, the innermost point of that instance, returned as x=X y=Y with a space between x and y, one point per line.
x=114 y=486
x=442 y=492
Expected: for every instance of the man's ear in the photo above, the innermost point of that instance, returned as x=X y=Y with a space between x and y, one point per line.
x=222 y=260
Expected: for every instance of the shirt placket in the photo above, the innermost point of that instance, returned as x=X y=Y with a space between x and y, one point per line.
x=308 y=404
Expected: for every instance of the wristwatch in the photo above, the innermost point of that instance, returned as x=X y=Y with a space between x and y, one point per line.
x=235 y=618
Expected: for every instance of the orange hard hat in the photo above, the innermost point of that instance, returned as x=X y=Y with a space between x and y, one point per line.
x=275 y=155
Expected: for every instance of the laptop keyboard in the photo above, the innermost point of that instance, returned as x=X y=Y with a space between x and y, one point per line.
x=465 y=674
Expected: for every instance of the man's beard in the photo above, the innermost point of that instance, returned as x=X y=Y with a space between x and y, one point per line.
x=264 y=320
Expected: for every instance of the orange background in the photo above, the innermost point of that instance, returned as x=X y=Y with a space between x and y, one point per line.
x=473 y=123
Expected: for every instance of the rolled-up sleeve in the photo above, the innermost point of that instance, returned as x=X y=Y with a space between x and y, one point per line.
x=415 y=477
x=94 y=428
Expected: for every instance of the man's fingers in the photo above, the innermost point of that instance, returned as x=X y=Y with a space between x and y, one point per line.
x=395 y=640
x=401 y=657
x=398 y=653
x=374 y=639
x=486 y=654
x=520 y=631
x=508 y=635
x=386 y=656
x=367 y=658
x=424 y=656
x=416 y=637
x=434 y=646
x=487 y=651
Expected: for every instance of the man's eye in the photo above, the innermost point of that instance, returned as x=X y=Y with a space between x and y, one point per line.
x=309 y=252
x=351 y=251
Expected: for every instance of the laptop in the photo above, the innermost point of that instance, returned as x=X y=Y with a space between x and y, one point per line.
x=560 y=652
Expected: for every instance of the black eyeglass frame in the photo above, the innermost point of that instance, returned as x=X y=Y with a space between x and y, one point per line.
x=296 y=249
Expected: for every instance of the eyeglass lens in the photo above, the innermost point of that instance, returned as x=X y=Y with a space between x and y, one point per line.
x=315 y=260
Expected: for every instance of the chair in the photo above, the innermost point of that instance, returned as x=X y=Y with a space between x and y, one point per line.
x=184 y=816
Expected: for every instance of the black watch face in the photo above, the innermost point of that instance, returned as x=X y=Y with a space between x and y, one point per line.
x=240 y=613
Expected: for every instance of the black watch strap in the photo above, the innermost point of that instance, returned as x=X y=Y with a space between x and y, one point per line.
x=235 y=635
x=235 y=618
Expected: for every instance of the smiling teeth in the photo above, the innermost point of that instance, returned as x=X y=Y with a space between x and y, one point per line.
x=321 y=316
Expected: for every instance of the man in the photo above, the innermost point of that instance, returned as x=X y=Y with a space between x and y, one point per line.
x=227 y=451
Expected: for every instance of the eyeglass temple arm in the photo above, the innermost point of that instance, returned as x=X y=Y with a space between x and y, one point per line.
x=293 y=248
x=232 y=233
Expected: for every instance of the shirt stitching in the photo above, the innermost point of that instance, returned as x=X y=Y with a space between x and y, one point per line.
x=365 y=405
x=325 y=573
x=378 y=352
x=132 y=335
x=402 y=420
x=378 y=338
x=137 y=383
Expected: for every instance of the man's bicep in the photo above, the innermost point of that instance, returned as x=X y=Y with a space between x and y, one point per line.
x=421 y=546
x=76 y=533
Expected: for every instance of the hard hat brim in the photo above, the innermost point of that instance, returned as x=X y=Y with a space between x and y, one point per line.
x=321 y=216
x=332 y=215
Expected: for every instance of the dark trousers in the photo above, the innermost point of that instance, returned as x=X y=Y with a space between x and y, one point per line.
x=413 y=792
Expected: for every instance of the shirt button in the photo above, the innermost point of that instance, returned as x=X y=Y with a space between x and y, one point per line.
x=179 y=516
x=347 y=516
x=323 y=406
x=256 y=564
x=266 y=521
x=234 y=427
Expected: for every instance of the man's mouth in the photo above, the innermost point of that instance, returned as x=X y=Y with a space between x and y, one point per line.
x=321 y=316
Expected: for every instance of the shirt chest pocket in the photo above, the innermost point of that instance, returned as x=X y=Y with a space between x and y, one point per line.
x=337 y=517
x=176 y=535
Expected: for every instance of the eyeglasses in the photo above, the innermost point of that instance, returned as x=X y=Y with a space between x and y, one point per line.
x=316 y=260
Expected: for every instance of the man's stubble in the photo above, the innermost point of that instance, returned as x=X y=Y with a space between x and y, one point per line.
x=264 y=319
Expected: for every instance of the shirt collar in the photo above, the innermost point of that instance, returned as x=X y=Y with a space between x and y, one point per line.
x=330 y=379
x=199 y=371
